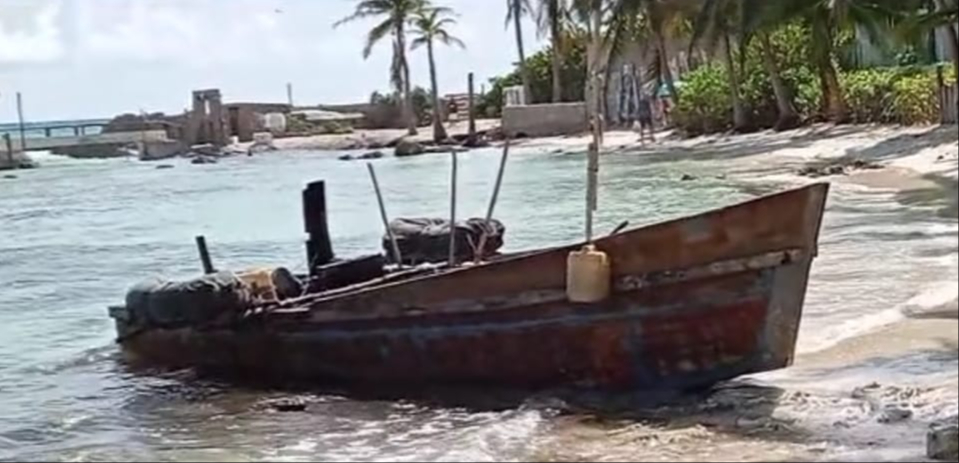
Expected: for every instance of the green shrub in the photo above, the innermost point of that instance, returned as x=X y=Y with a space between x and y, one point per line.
x=870 y=95
x=705 y=104
x=915 y=99
x=791 y=45
x=905 y=95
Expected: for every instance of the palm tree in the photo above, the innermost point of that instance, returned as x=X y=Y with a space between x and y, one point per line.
x=940 y=15
x=515 y=10
x=825 y=19
x=396 y=14
x=948 y=15
x=550 y=17
x=750 y=24
x=785 y=104
x=715 y=24
x=430 y=25
x=653 y=22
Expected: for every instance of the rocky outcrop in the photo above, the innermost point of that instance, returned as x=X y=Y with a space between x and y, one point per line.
x=203 y=159
x=16 y=161
x=364 y=156
x=408 y=148
x=837 y=168
x=942 y=441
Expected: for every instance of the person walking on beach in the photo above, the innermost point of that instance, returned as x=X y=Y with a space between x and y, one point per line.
x=644 y=119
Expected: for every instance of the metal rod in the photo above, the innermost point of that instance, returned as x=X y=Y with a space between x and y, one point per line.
x=386 y=221
x=480 y=250
x=471 y=133
x=23 y=130
x=452 y=260
x=204 y=255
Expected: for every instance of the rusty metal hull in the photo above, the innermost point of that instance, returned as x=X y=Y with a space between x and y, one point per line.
x=677 y=319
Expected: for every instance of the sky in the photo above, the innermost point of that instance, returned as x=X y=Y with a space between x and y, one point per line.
x=76 y=59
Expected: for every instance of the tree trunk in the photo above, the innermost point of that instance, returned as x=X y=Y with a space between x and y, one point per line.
x=740 y=117
x=788 y=117
x=834 y=105
x=439 y=132
x=557 y=38
x=523 y=71
x=666 y=70
x=953 y=35
x=410 y=114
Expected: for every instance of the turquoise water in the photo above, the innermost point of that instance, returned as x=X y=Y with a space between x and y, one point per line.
x=75 y=234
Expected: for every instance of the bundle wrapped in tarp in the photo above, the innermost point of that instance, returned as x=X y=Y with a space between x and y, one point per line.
x=166 y=304
x=428 y=240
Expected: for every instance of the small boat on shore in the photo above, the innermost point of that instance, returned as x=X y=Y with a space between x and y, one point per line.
x=689 y=303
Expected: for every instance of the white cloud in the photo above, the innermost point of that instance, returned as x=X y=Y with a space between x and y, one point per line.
x=197 y=32
x=29 y=32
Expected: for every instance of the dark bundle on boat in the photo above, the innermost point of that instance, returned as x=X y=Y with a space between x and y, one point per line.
x=170 y=305
x=428 y=240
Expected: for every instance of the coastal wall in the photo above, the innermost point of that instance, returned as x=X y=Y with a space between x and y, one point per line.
x=376 y=116
x=544 y=120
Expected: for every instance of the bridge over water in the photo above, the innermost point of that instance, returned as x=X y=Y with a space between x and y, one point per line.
x=50 y=136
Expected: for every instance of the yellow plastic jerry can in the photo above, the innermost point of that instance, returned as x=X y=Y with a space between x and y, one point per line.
x=587 y=275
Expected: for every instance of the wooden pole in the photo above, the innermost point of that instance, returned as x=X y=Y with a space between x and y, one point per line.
x=471 y=137
x=480 y=250
x=9 y=146
x=23 y=130
x=452 y=259
x=592 y=169
x=204 y=255
x=941 y=94
x=386 y=222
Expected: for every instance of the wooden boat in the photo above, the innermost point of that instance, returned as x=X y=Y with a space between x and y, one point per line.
x=694 y=301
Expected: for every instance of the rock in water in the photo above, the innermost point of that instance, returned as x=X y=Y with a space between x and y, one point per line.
x=409 y=148
x=346 y=157
x=894 y=415
x=289 y=405
x=942 y=441
x=372 y=155
x=165 y=166
x=687 y=178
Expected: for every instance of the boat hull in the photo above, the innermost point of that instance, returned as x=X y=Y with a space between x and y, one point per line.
x=665 y=327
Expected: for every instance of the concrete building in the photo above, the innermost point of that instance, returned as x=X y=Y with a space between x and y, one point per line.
x=245 y=119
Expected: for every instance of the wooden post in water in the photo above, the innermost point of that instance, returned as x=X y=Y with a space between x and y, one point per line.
x=471 y=137
x=319 y=249
x=9 y=145
x=204 y=255
x=23 y=130
x=452 y=260
x=397 y=257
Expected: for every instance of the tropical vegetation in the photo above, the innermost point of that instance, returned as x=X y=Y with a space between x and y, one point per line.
x=750 y=64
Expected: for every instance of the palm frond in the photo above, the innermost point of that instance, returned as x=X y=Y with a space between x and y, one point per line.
x=446 y=39
x=366 y=9
x=516 y=7
x=375 y=35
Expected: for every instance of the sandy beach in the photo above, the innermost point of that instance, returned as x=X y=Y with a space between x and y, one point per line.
x=919 y=167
